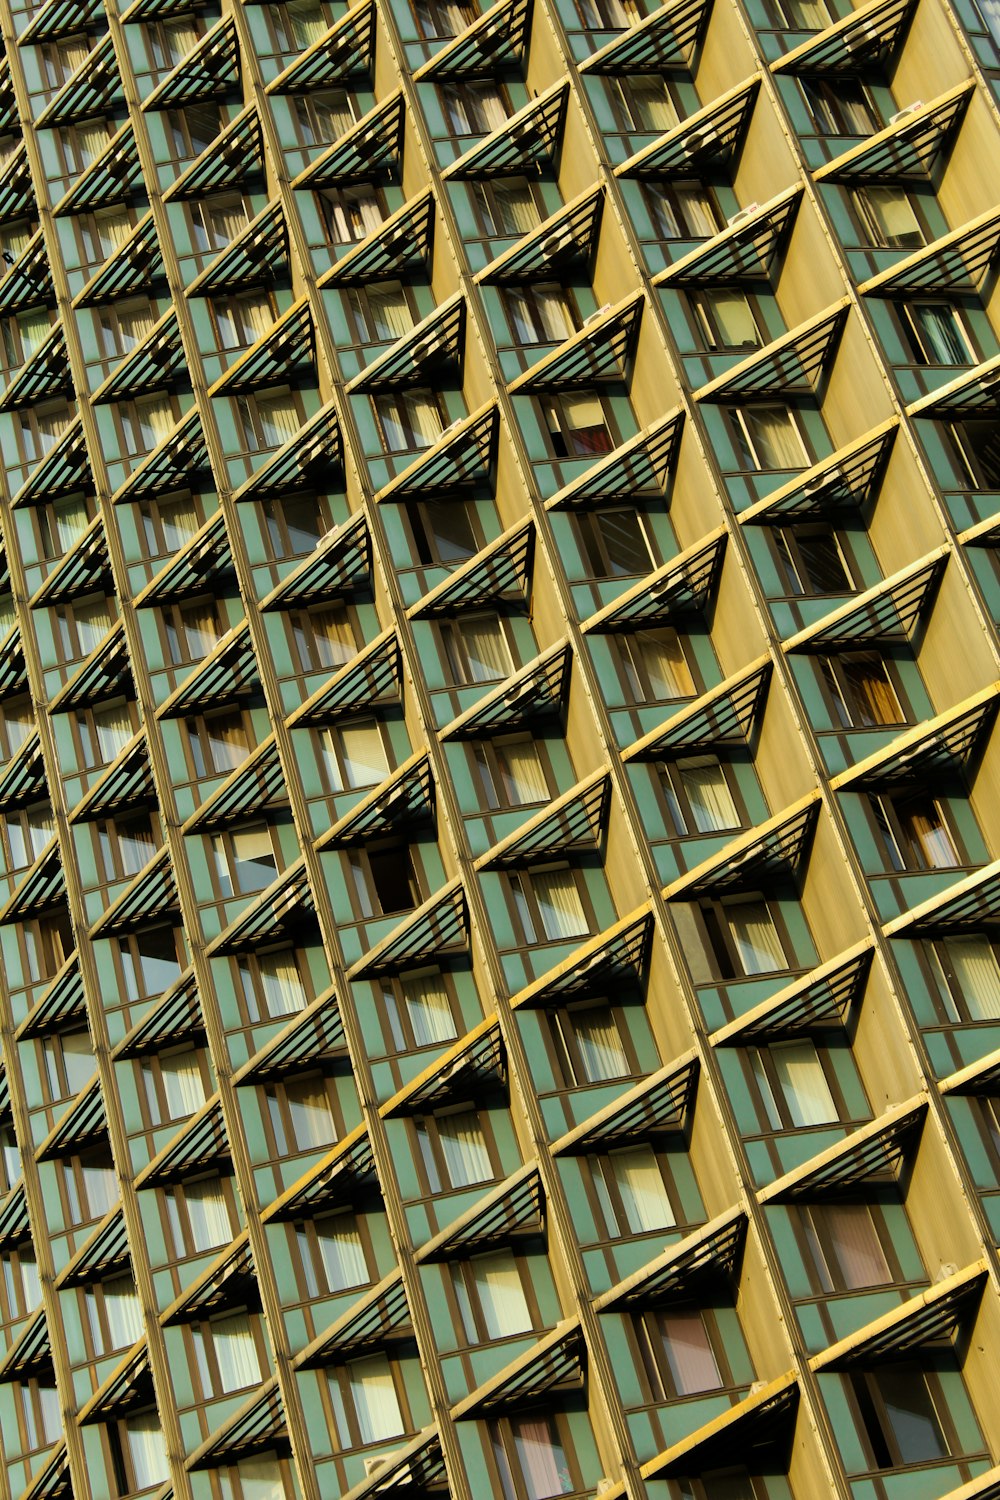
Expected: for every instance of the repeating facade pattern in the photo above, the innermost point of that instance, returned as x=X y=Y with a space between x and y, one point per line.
x=499 y=791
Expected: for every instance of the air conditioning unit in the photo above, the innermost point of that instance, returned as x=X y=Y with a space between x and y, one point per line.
x=451 y=427
x=903 y=114
x=701 y=140
x=594 y=316
x=604 y=1484
x=554 y=244
x=757 y=1386
x=372 y=1465
x=742 y=215
x=327 y=535
x=856 y=41
x=427 y=347
x=824 y=481
x=945 y=1269
x=524 y=133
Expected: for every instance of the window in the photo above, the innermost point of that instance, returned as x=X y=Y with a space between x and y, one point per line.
x=862 y=691
x=654 y=665
x=968 y=975
x=10 y=1158
x=138 y=1452
x=216 y=222
x=226 y=1354
x=217 y=742
x=615 y=543
x=67 y=1059
x=548 y=905
x=437 y=19
x=643 y=103
x=510 y=772
x=350 y=214
x=800 y=15
x=419 y=1010
x=473 y=107
x=201 y=1215
x=899 y=1410
x=812 y=560
x=191 y=130
x=105 y=731
x=890 y=218
x=974 y=444
x=699 y=796
x=113 y=1314
x=532 y=1459
x=241 y=319
x=295 y=524
x=383 y=880
x=20 y=1287
x=320 y=118
x=506 y=208
x=25 y=833
x=677 y=1353
x=268 y=420
x=38 y=1408
x=592 y=1046
x=354 y=755
x=145 y=422
x=82 y=625
x=301 y=1114
x=21 y=336
x=122 y=326
x=169 y=521
x=151 y=960
x=843 y=107
x=174 y=1084
x=191 y=629
x=454 y=1151
x=846 y=1246
x=17 y=723
x=38 y=428
x=332 y=1254
x=101 y=233
x=768 y=437
x=476 y=649
x=791 y=1085
x=936 y=334
x=445 y=532
x=324 y=638
x=539 y=314
x=409 y=420
x=298 y=23
x=380 y=313
x=914 y=832
x=126 y=844
x=46 y=943
x=272 y=984
x=578 y=426
x=730 y=939
x=682 y=210
x=89 y=1185
x=612 y=15
x=167 y=41
x=632 y=1193
x=366 y=1402
x=726 y=318
x=245 y=860
x=489 y=1291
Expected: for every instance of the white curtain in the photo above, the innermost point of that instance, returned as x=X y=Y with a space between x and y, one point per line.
x=463 y=1146
x=123 y=1310
x=735 y=320
x=309 y=1108
x=756 y=938
x=774 y=438
x=147 y=1450
x=362 y=755
x=978 y=975
x=235 y=1352
x=428 y=1006
x=708 y=795
x=374 y=1394
x=803 y=1083
x=114 y=730
x=602 y=1055
x=643 y=1195
x=509 y=206
x=889 y=214
x=390 y=312
x=207 y=1213
x=688 y=1352
x=306 y=21
x=279 y=419
x=523 y=776
x=559 y=905
x=666 y=667
x=183 y=1088
x=342 y=1254
x=649 y=103
x=486 y=648
x=501 y=1295
x=284 y=992
x=541 y=1458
